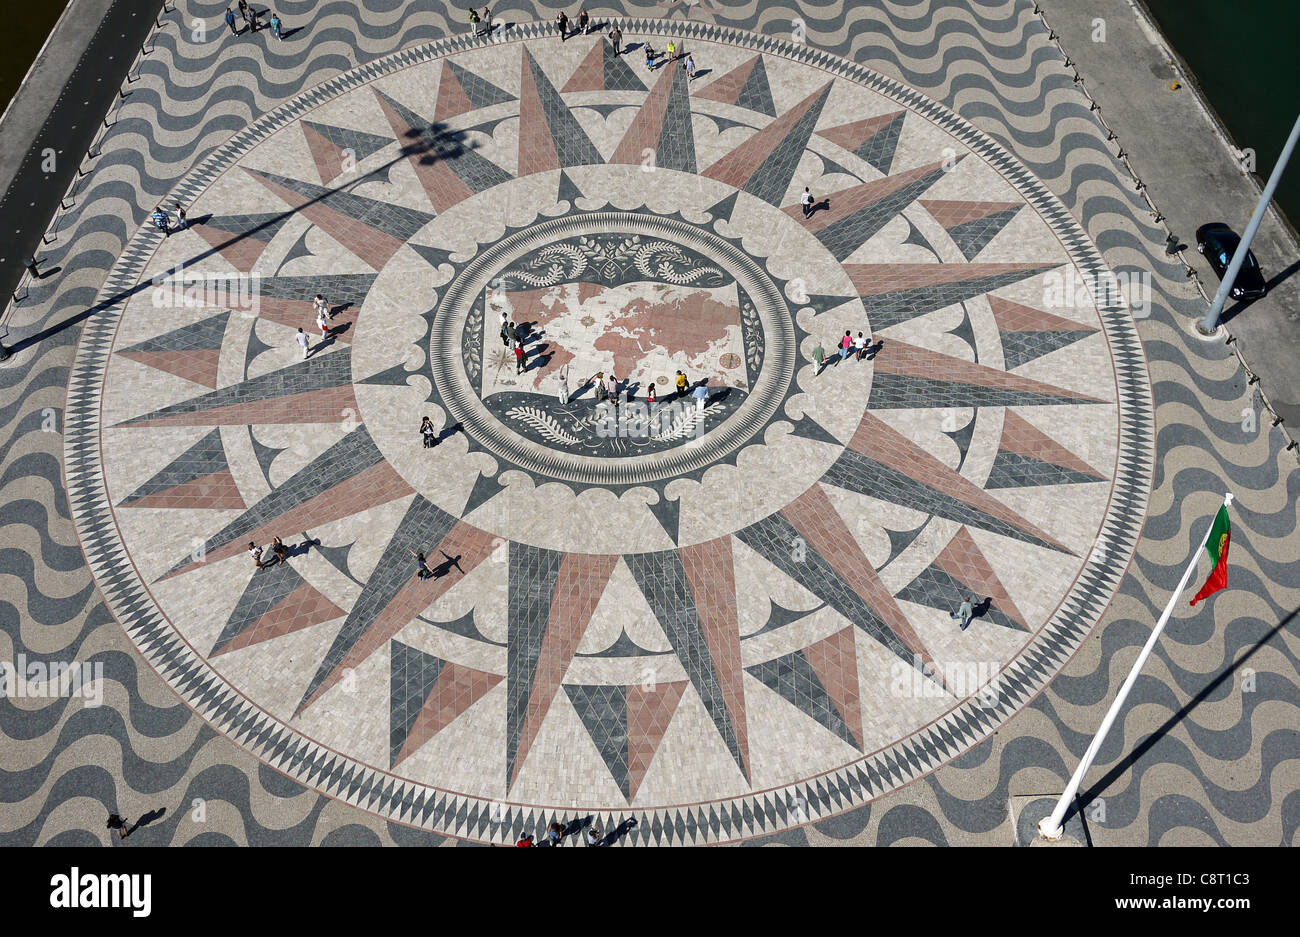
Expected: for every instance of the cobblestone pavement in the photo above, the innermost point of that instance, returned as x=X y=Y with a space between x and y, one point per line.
x=730 y=622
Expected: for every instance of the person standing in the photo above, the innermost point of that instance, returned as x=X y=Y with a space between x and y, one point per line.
x=305 y=342
x=584 y=21
x=806 y=200
x=429 y=434
x=564 y=385
x=243 y=11
x=256 y=553
x=520 y=356
x=649 y=57
x=252 y=19
x=230 y=21
x=616 y=37
x=701 y=395
x=845 y=344
x=819 y=355
x=591 y=835
x=277 y=27
x=422 y=570
x=690 y=67
x=487 y=21
x=601 y=393
x=512 y=335
x=611 y=389
x=965 y=611
x=671 y=50
x=681 y=385
x=473 y=21
x=161 y=221
x=554 y=834
x=562 y=24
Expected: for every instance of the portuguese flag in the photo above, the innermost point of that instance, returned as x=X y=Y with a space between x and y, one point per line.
x=1217 y=547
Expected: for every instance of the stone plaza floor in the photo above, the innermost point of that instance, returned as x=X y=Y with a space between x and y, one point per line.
x=731 y=622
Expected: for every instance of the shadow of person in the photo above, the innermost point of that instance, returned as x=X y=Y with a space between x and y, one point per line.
x=618 y=832
x=823 y=205
x=874 y=349
x=447 y=565
x=982 y=609
x=701 y=72
x=451 y=430
x=150 y=817
x=290 y=33
x=302 y=549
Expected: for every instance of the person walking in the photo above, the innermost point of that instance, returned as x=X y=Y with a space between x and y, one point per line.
x=429 y=434
x=690 y=67
x=323 y=324
x=161 y=221
x=322 y=306
x=305 y=342
x=243 y=11
x=806 y=200
x=681 y=385
x=525 y=839
x=701 y=395
x=562 y=24
x=965 y=611
x=671 y=50
x=649 y=57
x=860 y=346
x=252 y=19
x=181 y=221
x=512 y=335
x=473 y=21
x=505 y=331
x=584 y=21
x=616 y=37
x=819 y=355
x=487 y=21
x=591 y=835
x=845 y=344
x=564 y=385
x=554 y=834
x=611 y=389
x=279 y=550
x=120 y=824
x=256 y=553
x=601 y=393
x=277 y=26
x=520 y=357
x=230 y=21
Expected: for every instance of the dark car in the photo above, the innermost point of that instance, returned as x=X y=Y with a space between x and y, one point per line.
x=1218 y=243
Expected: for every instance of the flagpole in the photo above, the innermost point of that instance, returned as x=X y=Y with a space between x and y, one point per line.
x=1050 y=827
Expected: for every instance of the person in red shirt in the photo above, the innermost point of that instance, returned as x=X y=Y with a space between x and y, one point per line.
x=526 y=840
x=519 y=358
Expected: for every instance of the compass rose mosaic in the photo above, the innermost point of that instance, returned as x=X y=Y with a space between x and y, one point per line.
x=724 y=616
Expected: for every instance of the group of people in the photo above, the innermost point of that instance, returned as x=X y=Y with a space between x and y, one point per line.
x=608 y=390
x=279 y=553
x=512 y=338
x=480 y=23
x=324 y=322
x=562 y=24
x=592 y=835
x=250 y=15
x=848 y=345
x=163 y=221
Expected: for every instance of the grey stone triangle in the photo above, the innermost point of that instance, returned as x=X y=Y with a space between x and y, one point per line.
x=485 y=488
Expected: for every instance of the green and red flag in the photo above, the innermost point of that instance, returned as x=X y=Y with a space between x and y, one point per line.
x=1217 y=546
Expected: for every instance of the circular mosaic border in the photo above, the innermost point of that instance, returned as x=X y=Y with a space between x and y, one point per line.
x=760 y=406
x=722 y=820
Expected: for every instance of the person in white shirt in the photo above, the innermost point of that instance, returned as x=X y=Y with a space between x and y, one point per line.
x=322 y=307
x=304 y=341
x=806 y=200
x=564 y=384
